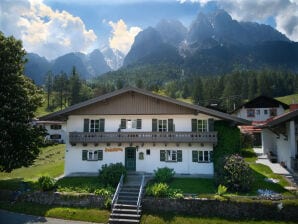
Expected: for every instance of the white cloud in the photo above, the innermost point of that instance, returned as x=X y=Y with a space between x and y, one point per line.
x=122 y=37
x=284 y=12
x=44 y=31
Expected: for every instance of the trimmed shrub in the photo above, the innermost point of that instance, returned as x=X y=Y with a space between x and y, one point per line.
x=163 y=175
x=107 y=194
x=236 y=174
x=46 y=183
x=109 y=175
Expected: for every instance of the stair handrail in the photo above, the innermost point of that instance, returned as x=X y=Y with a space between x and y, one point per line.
x=115 y=197
x=140 y=194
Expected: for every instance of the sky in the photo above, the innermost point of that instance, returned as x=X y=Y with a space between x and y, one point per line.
x=52 y=28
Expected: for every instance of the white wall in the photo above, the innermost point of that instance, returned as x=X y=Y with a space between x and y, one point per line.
x=61 y=131
x=74 y=162
x=112 y=122
x=268 y=141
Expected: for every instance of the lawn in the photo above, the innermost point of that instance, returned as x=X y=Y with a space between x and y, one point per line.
x=78 y=184
x=194 y=185
x=288 y=99
x=49 y=162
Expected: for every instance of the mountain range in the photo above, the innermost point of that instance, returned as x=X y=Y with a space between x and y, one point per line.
x=214 y=44
x=87 y=65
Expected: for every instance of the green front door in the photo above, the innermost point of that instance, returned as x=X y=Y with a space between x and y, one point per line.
x=130 y=158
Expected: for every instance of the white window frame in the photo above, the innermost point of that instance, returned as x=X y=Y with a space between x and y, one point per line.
x=92 y=155
x=131 y=124
x=92 y=125
x=204 y=156
x=202 y=125
x=171 y=155
x=162 y=125
x=250 y=112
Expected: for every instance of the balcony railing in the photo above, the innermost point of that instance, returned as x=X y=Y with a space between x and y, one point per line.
x=142 y=137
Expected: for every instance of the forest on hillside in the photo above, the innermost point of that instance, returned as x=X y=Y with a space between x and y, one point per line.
x=224 y=92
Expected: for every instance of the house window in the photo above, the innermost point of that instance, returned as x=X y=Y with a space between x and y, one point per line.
x=171 y=155
x=273 y=112
x=131 y=124
x=94 y=125
x=258 y=112
x=147 y=151
x=56 y=136
x=56 y=126
x=202 y=125
x=162 y=125
x=92 y=155
x=250 y=112
x=265 y=111
x=202 y=156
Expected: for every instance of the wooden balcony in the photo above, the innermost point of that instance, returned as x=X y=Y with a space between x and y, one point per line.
x=142 y=137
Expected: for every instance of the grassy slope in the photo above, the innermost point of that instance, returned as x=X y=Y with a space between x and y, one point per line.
x=49 y=162
x=289 y=99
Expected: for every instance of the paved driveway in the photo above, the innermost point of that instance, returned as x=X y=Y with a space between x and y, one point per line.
x=7 y=217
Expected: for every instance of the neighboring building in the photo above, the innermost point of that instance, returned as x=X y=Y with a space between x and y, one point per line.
x=56 y=130
x=280 y=138
x=259 y=110
x=142 y=130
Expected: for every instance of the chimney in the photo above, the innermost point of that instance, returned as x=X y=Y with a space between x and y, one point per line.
x=293 y=106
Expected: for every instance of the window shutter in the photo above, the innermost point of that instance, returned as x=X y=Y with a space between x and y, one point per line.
x=101 y=125
x=211 y=156
x=154 y=125
x=195 y=156
x=210 y=124
x=194 y=125
x=86 y=125
x=170 y=125
x=123 y=124
x=139 y=123
x=162 y=155
x=179 y=155
x=84 y=154
x=100 y=154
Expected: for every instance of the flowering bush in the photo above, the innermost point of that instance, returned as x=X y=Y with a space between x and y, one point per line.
x=236 y=174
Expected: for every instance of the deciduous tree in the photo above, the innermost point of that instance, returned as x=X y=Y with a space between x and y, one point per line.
x=19 y=97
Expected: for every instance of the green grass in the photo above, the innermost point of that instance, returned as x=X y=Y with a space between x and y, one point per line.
x=49 y=162
x=81 y=214
x=249 y=155
x=171 y=218
x=194 y=185
x=79 y=184
x=288 y=99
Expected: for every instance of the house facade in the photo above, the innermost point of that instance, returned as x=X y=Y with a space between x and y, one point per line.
x=259 y=110
x=56 y=130
x=280 y=138
x=142 y=130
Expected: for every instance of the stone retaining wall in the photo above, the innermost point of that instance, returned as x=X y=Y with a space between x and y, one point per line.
x=55 y=198
x=268 y=210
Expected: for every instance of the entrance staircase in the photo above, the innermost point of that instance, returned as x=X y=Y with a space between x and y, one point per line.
x=126 y=204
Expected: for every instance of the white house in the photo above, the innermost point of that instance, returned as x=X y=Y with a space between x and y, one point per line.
x=56 y=130
x=280 y=138
x=259 y=110
x=142 y=130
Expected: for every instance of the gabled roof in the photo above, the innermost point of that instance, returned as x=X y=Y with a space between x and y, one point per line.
x=262 y=102
x=281 y=119
x=68 y=111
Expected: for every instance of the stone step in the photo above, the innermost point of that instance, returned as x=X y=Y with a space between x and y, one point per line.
x=122 y=215
x=127 y=201
x=126 y=210
x=129 y=192
x=112 y=220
